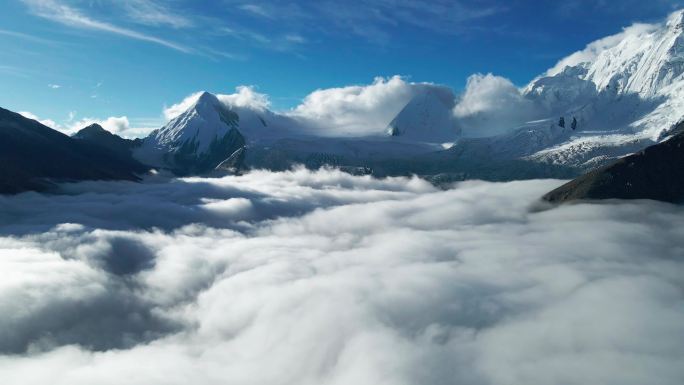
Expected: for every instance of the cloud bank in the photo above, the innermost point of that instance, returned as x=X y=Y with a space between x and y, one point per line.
x=324 y=278
x=493 y=105
x=355 y=110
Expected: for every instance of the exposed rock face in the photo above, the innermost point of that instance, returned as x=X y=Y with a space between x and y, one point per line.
x=33 y=155
x=188 y=161
x=235 y=163
x=201 y=137
x=654 y=173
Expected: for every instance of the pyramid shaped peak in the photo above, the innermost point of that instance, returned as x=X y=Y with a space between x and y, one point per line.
x=426 y=117
x=93 y=129
x=206 y=97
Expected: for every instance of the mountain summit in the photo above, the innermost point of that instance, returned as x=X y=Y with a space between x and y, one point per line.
x=196 y=140
x=427 y=117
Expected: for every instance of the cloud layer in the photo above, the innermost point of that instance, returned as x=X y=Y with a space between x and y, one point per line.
x=324 y=278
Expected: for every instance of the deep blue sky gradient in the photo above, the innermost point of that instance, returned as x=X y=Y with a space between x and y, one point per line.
x=285 y=48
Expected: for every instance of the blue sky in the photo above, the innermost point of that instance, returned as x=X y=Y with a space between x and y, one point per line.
x=69 y=59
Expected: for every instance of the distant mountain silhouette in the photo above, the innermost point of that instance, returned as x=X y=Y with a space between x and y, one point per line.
x=34 y=156
x=95 y=134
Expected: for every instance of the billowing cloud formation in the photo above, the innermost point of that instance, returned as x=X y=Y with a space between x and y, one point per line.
x=359 y=110
x=492 y=105
x=324 y=278
x=356 y=108
x=244 y=96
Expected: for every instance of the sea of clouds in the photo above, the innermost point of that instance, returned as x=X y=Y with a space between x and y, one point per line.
x=321 y=277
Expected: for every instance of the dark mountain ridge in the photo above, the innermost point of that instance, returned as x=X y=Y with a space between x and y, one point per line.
x=95 y=134
x=656 y=172
x=34 y=156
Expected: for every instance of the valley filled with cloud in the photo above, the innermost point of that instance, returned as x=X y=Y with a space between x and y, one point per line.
x=320 y=277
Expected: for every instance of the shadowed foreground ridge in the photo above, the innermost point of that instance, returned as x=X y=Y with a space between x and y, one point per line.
x=33 y=155
x=656 y=172
x=97 y=135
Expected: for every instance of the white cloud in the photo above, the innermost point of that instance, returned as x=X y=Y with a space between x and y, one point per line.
x=46 y=122
x=180 y=107
x=358 y=110
x=324 y=278
x=149 y=12
x=117 y=125
x=59 y=12
x=27 y=37
x=256 y=9
x=244 y=96
x=295 y=38
x=492 y=105
x=54 y=86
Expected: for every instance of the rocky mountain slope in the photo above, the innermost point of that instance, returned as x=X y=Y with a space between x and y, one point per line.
x=200 y=138
x=95 y=134
x=33 y=156
x=623 y=95
x=654 y=173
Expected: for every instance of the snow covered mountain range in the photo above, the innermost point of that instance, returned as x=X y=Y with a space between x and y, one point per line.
x=619 y=95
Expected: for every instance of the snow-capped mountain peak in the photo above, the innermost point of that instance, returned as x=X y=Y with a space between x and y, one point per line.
x=641 y=60
x=206 y=120
x=427 y=117
x=197 y=139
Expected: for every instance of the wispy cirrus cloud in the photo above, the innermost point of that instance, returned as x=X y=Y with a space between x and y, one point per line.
x=64 y=14
x=277 y=42
x=256 y=9
x=26 y=37
x=374 y=19
x=149 y=12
